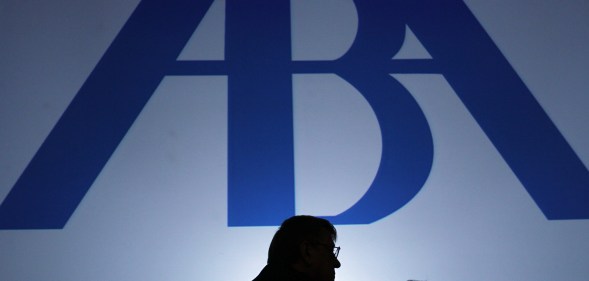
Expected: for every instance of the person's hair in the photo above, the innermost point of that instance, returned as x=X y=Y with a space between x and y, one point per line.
x=284 y=247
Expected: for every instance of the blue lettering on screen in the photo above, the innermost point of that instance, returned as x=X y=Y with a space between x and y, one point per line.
x=260 y=138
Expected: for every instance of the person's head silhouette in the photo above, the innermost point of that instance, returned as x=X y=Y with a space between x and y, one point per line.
x=302 y=249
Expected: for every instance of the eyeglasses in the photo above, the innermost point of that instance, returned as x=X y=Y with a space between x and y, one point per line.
x=336 y=251
x=335 y=248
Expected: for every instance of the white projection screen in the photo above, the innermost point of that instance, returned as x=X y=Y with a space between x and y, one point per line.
x=166 y=140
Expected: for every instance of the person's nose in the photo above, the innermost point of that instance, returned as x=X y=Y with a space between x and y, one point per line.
x=337 y=263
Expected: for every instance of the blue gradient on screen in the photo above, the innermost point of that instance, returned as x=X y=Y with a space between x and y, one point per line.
x=446 y=142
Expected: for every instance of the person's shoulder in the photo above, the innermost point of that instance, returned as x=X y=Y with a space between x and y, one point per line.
x=267 y=274
x=277 y=273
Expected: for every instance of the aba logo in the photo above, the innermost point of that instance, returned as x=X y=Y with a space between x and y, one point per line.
x=259 y=68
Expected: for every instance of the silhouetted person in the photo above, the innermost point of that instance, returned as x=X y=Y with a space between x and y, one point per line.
x=302 y=249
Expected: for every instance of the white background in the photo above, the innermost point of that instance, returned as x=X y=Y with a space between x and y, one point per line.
x=158 y=209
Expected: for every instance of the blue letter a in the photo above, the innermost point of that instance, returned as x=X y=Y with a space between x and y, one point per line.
x=91 y=128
